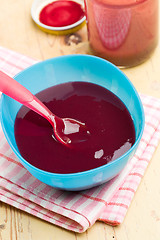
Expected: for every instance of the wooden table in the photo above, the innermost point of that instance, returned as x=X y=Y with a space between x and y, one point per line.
x=19 y=33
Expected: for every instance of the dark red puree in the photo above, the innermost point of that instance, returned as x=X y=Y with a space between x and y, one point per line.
x=107 y=118
x=61 y=13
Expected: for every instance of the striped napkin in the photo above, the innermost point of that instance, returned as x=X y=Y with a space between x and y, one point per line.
x=76 y=211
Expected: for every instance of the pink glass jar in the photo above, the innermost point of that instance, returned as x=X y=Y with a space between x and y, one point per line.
x=124 y=32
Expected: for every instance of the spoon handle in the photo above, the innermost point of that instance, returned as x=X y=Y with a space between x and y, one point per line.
x=15 y=90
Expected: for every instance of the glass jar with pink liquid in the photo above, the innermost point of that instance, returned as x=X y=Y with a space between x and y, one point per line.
x=124 y=32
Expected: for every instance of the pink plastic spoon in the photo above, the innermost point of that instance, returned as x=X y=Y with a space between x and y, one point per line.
x=68 y=131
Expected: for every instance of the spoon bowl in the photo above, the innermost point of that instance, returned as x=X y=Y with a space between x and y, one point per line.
x=70 y=131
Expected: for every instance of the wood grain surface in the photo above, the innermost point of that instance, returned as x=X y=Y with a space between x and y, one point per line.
x=19 y=33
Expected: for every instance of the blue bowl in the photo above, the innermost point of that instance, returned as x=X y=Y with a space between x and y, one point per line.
x=75 y=68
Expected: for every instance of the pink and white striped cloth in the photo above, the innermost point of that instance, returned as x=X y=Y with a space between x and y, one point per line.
x=76 y=211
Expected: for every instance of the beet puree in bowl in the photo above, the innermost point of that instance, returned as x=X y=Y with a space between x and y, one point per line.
x=61 y=13
x=110 y=125
x=90 y=90
x=58 y=16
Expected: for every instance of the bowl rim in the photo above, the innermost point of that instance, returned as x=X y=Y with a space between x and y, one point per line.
x=43 y=26
x=91 y=171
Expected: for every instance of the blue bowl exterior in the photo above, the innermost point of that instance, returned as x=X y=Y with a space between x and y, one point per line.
x=75 y=68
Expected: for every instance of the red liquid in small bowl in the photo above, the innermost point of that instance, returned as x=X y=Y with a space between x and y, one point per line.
x=61 y=13
x=107 y=118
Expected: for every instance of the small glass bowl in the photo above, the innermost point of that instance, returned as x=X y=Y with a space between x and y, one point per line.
x=38 y=5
